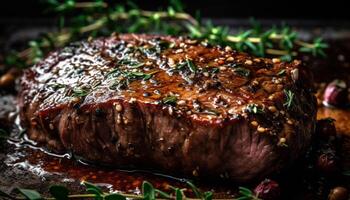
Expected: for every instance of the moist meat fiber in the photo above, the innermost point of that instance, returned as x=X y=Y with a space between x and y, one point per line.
x=171 y=104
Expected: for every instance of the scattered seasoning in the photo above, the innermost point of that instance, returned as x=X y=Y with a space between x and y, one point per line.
x=254 y=123
x=281 y=73
x=248 y=62
x=261 y=129
x=57 y=86
x=282 y=142
x=181 y=103
x=253 y=108
x=222 y=68
x=242 y=71
x=230 y=59
x=169 y=100
x=272 y=108
x=295 y=74
x=276 y=60
x=289 y=99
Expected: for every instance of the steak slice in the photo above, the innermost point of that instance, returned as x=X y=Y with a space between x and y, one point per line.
x=170 y=104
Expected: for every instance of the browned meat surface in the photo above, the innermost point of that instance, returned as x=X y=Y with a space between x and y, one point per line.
x=170 y=104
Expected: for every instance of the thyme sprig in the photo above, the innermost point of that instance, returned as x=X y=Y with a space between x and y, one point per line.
x=59 y=192
x=99 y=18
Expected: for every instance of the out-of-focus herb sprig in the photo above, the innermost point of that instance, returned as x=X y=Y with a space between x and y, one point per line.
x=59 y=192
x=99 y=18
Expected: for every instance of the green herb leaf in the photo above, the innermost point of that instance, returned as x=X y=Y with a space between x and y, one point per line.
x=254 y=108
x=59 y=192
x=208 y=195
x=30 y=194
x=282 y=72
x=195 y=190
x=169 y=99
x=78 y=92
x=178 y=194
x=93 y=189
x=148 y=191
x=210 y=112
x=346 y=173
x=114 y=196
x=162 y=194
x=191 y=66
x=289 y=99
x=242 y=71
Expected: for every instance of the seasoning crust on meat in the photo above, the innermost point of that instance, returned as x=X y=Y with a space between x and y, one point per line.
x=173 y=104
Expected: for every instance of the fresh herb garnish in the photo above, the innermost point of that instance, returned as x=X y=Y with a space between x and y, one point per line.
x=78 y=92
x=346 y=173
x=210 y=112
x=130 y=63
x=169 y=99
x=100 y=19
x=191 y=66
x=282 y=72
x=139 y=75
x=289 y=98
x=246 y=194
x=149 y=192
x=215 y=70
x=242 y=71
x=254 y=108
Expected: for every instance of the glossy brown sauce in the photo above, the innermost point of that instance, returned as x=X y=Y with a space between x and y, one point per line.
x=341 y=116
x=69 y=170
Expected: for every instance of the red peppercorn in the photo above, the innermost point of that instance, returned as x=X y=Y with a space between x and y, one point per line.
x=336 y=94
x=325 y=128
x=268 y=190
x=327 y=164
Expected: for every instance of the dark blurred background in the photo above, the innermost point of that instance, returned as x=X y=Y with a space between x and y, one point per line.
x=335 y=10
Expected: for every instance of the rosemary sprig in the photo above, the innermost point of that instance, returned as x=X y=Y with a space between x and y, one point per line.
x=59 y=192
x=289 y=98
x=170 y=100
x=103 y=18
x=242 y=71
x=78 y=92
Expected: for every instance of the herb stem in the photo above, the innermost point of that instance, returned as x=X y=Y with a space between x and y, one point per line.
x=90 y=4
x=279 y=52
x=190 y=25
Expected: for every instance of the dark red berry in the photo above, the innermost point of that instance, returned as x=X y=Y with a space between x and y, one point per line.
x=338 y=193
x=327 y=164
x=325 y=128
x=336 y=94
x=268 y=190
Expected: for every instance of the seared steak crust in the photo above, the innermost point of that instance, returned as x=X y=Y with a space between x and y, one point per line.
x=172 y=104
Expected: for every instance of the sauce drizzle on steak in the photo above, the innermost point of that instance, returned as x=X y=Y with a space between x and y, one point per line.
x=168 y=103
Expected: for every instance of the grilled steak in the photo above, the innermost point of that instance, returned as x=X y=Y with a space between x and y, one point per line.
x=171 y=104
